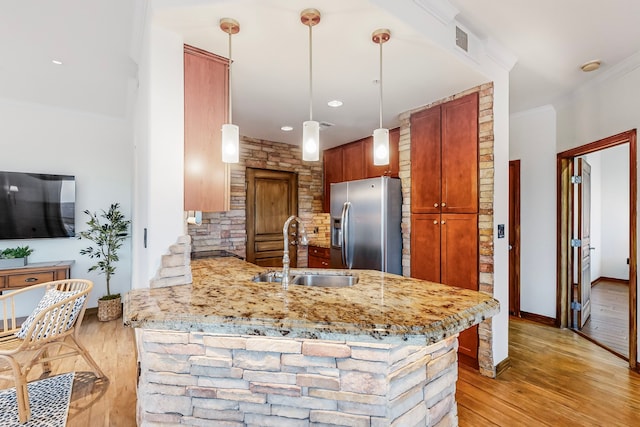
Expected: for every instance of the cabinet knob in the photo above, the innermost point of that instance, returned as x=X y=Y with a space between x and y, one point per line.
x=435 y=205
x=444 y=204
x=435 y=222
x=443 y=222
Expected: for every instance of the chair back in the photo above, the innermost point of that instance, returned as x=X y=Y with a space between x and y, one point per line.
x=58 y=313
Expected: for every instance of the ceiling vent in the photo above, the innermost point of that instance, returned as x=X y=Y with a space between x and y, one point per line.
x=462 y=39
x=325 y=125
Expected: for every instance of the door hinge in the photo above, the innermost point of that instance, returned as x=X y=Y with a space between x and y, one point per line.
x=575 y=305
x=576 y=179
x=576 y=243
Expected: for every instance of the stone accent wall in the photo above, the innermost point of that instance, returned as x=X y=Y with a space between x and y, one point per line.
x=485 y=218
x=227 y=230
x=175 y=267
x=190 y=378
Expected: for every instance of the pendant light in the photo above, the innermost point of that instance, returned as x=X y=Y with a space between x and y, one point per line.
x=230 y=132
x=381 y=135
x=310 y=128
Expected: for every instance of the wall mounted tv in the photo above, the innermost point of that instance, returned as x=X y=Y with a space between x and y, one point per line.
x=34 y=205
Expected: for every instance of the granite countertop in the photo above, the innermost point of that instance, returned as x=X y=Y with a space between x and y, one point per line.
x=380 y=307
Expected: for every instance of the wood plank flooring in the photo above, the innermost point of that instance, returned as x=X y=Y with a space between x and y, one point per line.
x=609 y=320
x=556 y=378
x=99 y=403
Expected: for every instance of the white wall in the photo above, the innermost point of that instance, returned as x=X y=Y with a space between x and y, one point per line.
x=615 y=212
x=533 y=141
x=97 y=150
x=159 y=154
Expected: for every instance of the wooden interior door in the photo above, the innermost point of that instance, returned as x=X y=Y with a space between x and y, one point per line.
x=514 y=237
x=272 y=196
x=584 y=249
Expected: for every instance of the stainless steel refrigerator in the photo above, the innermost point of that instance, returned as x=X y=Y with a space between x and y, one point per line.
x=365 y=224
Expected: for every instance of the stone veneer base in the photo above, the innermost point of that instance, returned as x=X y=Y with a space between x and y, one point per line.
x=201 y=379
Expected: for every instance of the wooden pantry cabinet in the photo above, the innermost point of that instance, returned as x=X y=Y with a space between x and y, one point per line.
x=444 y=201
x=354 y=161
x=206 y=91
x=444 y=157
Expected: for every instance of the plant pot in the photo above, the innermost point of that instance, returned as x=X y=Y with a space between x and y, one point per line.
x=13 y=262
x=109 y=309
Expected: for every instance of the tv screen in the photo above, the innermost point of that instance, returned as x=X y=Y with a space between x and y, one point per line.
x=34 y=205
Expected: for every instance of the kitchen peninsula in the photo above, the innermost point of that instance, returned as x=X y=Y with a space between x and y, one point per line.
x=225 y=350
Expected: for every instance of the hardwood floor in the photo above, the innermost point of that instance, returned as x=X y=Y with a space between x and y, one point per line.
x=609 y=321
x=99 y=403
x=556 y=378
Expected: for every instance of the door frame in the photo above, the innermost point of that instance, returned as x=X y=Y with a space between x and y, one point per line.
x=565 y=226
x=514 y=235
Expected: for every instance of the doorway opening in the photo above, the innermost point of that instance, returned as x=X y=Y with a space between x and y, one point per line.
x=574 y=248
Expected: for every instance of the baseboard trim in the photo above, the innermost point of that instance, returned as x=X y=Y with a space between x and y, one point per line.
x=609 y=279
x=503 y=366
x=538 y=318
x=91 y=310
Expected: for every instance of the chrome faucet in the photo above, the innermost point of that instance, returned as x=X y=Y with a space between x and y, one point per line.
x=301 y=237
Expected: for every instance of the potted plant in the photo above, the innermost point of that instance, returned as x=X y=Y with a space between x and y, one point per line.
x=15 y=257
x=107 y=230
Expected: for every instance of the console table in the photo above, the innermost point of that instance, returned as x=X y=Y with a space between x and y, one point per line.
x=33 y=274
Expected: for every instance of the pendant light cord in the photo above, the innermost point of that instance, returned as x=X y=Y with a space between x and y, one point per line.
x=230 y=64
x=380 y=85
x=310 y=73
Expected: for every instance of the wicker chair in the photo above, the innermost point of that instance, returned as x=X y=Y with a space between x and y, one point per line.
x=54 y=323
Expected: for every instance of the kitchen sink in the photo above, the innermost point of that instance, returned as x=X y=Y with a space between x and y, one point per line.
x=328 y=280
x=268 y=276
x=310 y=279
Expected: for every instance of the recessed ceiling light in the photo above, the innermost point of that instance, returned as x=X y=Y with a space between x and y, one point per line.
x=286 y=128
x=590 y=66
x=335 y=103
x=56 y=61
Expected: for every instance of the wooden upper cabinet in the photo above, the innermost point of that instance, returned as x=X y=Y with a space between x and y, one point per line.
x=425 y=161
x=444 y=157
x=332 y=161
x=393 y=168
x=460 y=155
x=353 y=161
x=206 y=90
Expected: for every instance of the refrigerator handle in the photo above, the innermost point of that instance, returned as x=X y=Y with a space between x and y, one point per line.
x=344 y=224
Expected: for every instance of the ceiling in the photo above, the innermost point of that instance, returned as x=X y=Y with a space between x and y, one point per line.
x=271 y=63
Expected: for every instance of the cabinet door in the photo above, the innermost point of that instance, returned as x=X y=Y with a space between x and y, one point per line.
x=425 y=161
x=393 y=168
x=460 y=155
x=460 y=268
x=206 y=183
x=332 y=162
x=425 y=247
x=353 y=161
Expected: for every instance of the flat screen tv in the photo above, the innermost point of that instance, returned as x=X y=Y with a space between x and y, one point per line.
x=35 y=205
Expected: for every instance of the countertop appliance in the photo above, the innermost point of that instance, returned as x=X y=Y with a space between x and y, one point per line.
x=365 y=224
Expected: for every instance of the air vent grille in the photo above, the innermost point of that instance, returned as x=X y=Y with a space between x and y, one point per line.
x=462 y=39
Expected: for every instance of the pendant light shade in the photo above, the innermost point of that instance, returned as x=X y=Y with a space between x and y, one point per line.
x=310 y=128
x=230 y=132
x=381 y=135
